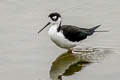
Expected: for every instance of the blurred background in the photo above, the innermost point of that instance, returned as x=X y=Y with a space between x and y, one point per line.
x=25 y=55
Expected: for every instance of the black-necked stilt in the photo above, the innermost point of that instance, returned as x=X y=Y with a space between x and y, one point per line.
x=66 y=36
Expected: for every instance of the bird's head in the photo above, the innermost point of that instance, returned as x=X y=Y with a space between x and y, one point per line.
x=55 y=19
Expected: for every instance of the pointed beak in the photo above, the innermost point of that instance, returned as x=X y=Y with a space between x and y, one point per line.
x=43 y=27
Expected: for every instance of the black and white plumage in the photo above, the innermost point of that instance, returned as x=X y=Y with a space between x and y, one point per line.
x=76 y=34
x=66 y=36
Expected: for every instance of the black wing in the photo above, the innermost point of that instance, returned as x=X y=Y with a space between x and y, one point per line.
x=74 y=33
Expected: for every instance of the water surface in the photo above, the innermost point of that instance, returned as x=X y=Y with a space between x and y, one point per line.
x=25 y=55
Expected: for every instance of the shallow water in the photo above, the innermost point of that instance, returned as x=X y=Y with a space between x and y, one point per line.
x=25 y=55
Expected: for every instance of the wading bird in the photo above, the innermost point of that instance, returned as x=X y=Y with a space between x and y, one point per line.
x=66 y=36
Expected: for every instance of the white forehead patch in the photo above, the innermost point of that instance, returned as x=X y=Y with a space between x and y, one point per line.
x=54 y=17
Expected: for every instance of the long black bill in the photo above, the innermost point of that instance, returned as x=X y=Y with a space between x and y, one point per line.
x=44 y=27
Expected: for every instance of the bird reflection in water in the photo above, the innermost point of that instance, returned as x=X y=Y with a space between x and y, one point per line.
x=69 y=63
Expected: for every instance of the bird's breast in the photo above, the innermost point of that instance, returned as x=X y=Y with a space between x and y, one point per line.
x=53 y=31
x=58 y=38
x=54 y=35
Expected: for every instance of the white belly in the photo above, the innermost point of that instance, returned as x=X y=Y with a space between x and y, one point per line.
x=59 y=39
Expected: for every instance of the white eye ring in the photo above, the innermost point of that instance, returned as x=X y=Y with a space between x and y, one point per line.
x=54 y=17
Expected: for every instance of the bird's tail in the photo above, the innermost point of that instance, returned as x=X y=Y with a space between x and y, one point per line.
x=102 y=31
x=92 y=30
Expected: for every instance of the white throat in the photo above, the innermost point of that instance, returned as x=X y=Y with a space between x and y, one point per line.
x=57 y=23
x=58 y=37
x=54 y=25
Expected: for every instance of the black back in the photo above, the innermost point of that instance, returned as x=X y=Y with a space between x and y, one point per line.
x=74 y=33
